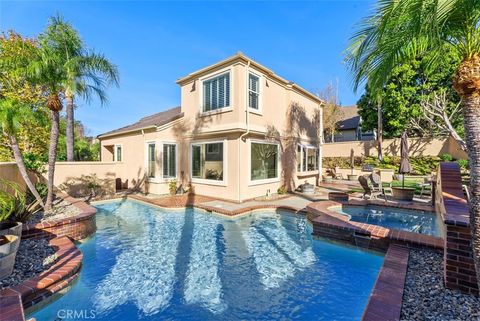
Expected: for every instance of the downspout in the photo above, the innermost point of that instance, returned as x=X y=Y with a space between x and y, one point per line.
x=145 y=162
x=320 y=153
x=247 y=123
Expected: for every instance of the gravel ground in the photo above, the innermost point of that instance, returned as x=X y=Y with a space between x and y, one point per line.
x=33 y=257
x=425 y=297
x=61 y=209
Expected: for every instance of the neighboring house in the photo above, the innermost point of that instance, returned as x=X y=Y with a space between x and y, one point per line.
x=241 y=132
x=349 y=127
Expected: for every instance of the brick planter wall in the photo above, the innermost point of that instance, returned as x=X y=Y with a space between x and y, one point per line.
x=459 y=266
x=13 y=300
x=77 y=227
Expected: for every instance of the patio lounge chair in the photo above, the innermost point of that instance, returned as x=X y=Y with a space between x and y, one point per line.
x=369 y=190
x=427 y=183
x=336 y=174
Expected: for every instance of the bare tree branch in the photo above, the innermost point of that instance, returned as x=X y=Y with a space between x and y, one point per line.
x=436 y=113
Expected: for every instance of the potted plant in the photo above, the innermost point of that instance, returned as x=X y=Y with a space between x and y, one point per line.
x=352 y=176
x=172 y=187
x=11 y=200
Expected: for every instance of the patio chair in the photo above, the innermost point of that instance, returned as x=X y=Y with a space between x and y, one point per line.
x=378 y=185
x=335 y=174
x=426 y=183
x=368 y=190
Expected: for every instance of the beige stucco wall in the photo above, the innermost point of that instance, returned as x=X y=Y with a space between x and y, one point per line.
x=391 y=147
x=73 y=177
x=9 y=172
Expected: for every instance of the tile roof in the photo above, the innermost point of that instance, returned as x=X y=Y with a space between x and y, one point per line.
x=154 y=120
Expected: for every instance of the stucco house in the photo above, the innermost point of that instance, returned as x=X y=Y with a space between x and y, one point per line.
x=241 y=131
x=349 y=127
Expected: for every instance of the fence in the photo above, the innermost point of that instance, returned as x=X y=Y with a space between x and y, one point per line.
x=75 y=178
x=391 y=147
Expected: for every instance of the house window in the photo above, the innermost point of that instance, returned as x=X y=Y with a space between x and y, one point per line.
x=307 y=158
x=216 y=92
x=169 y=160
x=253 y=91
x=118 y=153
x=207 y=161
x=264 y=161
x=151 y=160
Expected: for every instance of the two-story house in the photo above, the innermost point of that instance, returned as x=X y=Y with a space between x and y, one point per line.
x=240 y=132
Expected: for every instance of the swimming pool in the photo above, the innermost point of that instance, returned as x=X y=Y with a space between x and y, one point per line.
x=394 y=218
x=153 y=264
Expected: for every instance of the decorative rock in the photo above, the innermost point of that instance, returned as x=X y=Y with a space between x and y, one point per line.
x=425 y=296
x=60 y=210
x=33 y=257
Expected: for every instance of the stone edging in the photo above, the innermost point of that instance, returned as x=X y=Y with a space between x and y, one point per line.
x=334 y=225
x=385 y=302
x=32 y=291
x=76 y=227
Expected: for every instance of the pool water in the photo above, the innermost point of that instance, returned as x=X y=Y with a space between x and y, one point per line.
x=393 y=218
x=153 y=264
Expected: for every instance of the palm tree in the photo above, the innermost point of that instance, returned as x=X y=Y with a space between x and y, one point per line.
x=87 y=73
x=12 y=114
x=398 y=31
x=47 y=70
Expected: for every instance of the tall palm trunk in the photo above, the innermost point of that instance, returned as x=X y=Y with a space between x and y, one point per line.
x=52 y=156
x=23 y=170
x=70 y=127
x=379 y=131
x=471 y=116
x=466 y=83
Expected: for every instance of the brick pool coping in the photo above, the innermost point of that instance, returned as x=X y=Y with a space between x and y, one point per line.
x=76 y=227
x=385 y=302
x=337 y=226
x=65 y=270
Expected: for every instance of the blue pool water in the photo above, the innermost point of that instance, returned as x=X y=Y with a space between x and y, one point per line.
x=152 y=264
x=394 y=218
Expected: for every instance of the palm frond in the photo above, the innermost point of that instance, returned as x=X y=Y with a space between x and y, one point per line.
x=397 y=31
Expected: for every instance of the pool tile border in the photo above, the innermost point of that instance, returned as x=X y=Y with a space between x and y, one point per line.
x=385 y=302
x=334 y=225
x=63 y=272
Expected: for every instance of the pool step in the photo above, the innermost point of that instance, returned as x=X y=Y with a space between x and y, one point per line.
x=362 y=239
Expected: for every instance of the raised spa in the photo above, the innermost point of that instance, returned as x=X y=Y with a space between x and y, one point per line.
x=153 y=264
x=393 y=218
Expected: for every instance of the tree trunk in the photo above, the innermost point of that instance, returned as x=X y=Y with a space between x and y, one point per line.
x=471 y=116
x=70 y=128
x=23 y=170
x=52 y=156
x=379 y=131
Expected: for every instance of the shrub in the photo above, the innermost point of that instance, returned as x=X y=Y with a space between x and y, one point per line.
x=463 y=163
x=172 y=187
x=421 y=165
x=282 y=190
x=446 y=157
x=12 y=199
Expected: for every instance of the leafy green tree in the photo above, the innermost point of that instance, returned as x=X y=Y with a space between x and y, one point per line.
x=399 y=31
x=18 y=99
x=87 y=73
x=409 y=84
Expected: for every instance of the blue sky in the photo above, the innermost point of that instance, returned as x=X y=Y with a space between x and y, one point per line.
x=154 y=43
